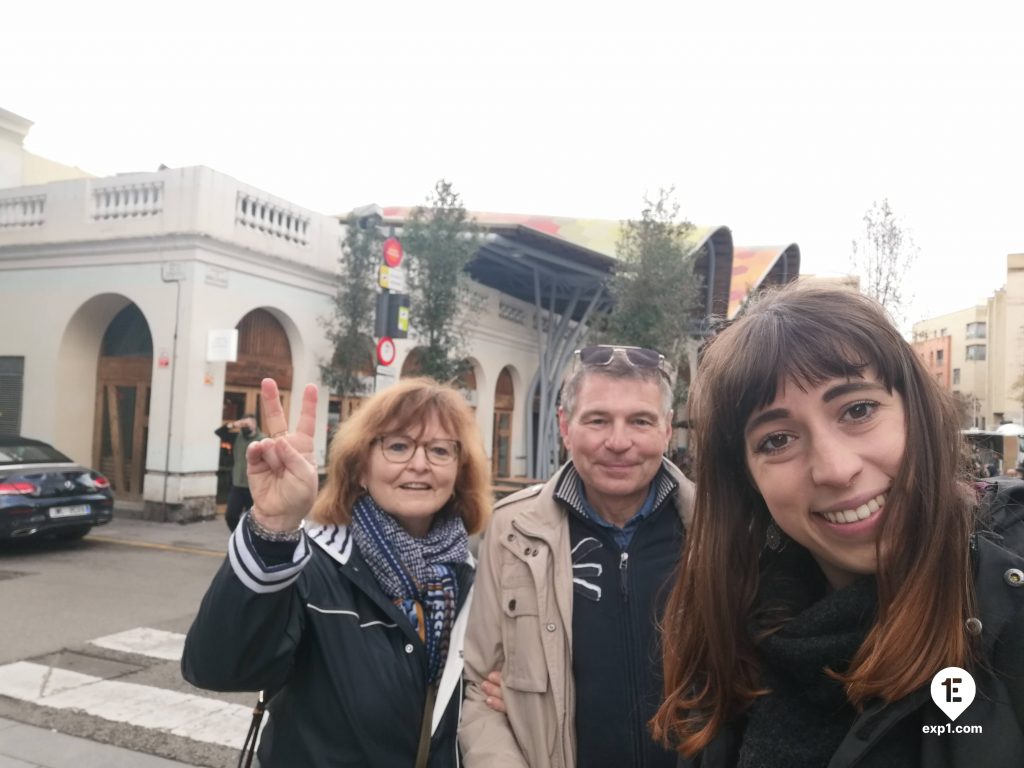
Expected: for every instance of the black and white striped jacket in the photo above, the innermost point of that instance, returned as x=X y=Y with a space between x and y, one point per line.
x=309 y=623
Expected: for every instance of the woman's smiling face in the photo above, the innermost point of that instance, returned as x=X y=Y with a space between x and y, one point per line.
x=824 y=458
x=415 y=490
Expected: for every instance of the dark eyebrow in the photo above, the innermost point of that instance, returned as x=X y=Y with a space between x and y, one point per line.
x=839 y=390
x=761 y=418
x=850 y=386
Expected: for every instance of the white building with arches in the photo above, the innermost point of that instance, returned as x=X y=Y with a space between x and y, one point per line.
x=109 y=291
x=111 y=288
x=117 y=293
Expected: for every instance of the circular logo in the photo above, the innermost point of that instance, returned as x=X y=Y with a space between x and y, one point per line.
x=953 y=691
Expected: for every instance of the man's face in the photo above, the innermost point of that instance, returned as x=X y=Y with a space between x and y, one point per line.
x=616 y=439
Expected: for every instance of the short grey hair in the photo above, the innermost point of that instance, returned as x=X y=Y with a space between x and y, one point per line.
x=617 y=368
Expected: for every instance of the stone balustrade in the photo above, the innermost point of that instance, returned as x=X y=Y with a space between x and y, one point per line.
x=279 y=221
x=172 y=202
x=22 y=211
x=122 y=201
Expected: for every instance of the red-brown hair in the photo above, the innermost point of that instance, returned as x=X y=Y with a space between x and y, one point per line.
x=405 y=408
x=810 y=333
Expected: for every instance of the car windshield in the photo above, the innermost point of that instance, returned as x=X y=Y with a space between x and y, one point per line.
x=30 y=454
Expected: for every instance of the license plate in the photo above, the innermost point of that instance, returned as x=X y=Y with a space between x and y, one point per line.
x=76 y=511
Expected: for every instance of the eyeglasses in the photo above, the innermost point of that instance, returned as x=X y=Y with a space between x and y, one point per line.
x=638 y=357
x=398 y=449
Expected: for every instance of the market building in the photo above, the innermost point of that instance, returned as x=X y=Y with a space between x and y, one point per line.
x=141 y=311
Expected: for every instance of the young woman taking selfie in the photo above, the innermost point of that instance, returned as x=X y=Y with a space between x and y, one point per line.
x=838 y=558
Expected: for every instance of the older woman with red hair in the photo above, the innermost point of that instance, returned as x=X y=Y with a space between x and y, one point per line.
x=353 y=618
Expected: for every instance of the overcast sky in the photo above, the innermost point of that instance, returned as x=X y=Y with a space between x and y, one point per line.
x=783 y=120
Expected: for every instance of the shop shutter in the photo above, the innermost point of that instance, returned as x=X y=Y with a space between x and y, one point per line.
x=12 y=376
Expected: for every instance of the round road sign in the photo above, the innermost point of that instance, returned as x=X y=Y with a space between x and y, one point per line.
x=386 y=351
x=392 y=252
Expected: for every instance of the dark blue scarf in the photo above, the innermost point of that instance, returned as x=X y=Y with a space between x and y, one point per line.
x=417 y=574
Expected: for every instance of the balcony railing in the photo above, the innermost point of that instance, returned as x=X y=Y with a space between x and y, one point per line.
x=275 y=220
x=28 y=211
x=145 y=206
x=125 y=201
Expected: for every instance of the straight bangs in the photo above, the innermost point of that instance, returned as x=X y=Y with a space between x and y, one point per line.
x=411 y=415
x=741 y=371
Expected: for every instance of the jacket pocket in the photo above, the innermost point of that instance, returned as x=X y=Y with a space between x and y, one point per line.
x=525 y=668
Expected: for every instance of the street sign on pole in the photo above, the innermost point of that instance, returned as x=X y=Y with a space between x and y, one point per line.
x=385 y=351
x=392 y=279
x=385 y=378
x=392 y=252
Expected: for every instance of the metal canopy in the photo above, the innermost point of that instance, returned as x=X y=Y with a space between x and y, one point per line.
x=509 y=262
x=566 y=284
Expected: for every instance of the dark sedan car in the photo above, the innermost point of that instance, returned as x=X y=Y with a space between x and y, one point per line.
x=43 y=492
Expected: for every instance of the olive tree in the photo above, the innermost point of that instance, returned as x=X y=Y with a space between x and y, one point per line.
x=440 y=240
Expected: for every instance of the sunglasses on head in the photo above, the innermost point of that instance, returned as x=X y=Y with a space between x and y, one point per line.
x=638 y=357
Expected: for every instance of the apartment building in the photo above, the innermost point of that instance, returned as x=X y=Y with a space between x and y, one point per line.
x=954 y=349
x=978 y=352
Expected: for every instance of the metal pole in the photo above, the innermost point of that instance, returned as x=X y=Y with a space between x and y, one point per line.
x=171 y=273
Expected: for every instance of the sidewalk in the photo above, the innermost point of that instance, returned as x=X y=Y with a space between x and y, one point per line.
x=203 y=534
x=25 y=746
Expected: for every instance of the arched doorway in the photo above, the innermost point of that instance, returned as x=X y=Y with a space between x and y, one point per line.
x=123 y=378
x=465 y=382
x=413 y=364
x=501 y=444
x=263 y=351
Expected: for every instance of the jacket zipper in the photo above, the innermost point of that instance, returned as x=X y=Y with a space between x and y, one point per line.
x=631 y=641
x=624 y=575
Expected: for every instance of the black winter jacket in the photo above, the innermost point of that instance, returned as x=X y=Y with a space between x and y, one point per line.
x=997 y=551
x=346 y=670
x=619 y=598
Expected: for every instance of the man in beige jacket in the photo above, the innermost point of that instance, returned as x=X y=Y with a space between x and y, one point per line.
x=571 y=580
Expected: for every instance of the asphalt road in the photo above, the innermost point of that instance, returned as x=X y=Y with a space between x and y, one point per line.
x=130 y=579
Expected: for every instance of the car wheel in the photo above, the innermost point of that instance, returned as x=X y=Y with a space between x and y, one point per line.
x=71 y=534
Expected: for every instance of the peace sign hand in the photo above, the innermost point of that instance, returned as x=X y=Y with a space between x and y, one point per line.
x=281 y=468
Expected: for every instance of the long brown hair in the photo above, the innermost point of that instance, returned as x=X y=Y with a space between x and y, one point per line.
x=406 y=407
x=812 y=332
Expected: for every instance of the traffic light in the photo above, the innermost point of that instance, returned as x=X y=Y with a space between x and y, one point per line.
x=392 y=317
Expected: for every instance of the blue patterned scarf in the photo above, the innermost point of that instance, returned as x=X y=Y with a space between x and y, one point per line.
x=417 y=574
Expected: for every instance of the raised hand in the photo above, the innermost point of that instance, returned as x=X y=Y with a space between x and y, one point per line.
x=281 y=468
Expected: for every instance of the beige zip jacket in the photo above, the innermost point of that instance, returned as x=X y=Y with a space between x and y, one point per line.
x=521 y=624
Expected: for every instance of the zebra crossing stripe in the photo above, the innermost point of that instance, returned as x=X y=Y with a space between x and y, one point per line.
x=155 y=643
x=193 y=717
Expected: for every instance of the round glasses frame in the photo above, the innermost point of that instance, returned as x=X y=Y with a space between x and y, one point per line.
x=440 y=452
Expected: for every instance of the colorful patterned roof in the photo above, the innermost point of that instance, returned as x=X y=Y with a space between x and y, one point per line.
x=599 y=235
x=751 y=265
